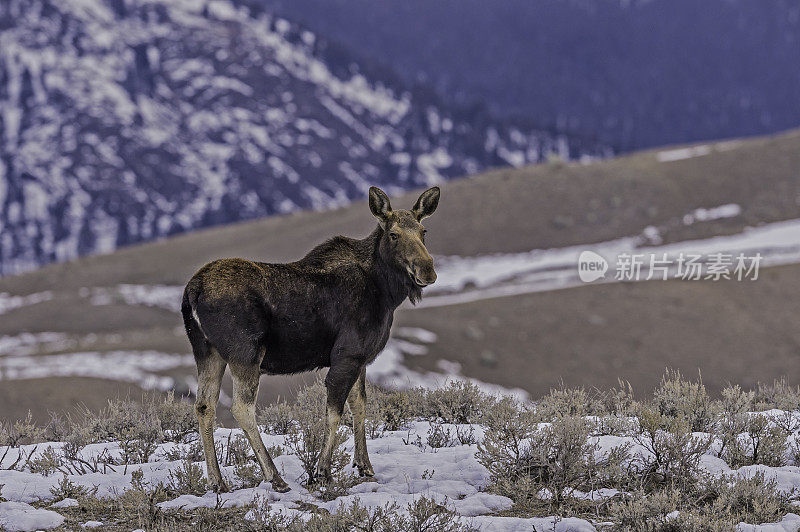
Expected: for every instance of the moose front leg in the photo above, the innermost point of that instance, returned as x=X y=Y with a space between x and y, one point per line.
x=339 y=382
x=358 y=405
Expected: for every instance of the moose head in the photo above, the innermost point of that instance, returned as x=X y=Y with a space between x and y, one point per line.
x=403 y=241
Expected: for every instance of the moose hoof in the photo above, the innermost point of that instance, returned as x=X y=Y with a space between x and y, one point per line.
x=279 y=485
x=219 y=487
x=365 y=471
x=323 y=475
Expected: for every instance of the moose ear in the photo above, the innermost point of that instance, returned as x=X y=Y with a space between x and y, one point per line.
x=426 y=204
x=379 y=203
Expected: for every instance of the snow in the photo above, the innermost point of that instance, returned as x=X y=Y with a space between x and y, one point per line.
x=65 y=503
x=729 y=210
x=142 y=368
x=431 y=163
x=789 y=523
x=451 y=476
x=19 y=516
x=9 y=302
x=415 y=333
x=682 y=153
x=25 y=344
x=389 y=367
x=517 y=524
x=168 y=297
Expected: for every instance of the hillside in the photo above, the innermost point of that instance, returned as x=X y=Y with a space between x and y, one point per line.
x=119 y=310
x=123 y=122
x=634 y=73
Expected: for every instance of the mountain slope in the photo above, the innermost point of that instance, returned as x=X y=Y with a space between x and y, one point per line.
x=126 y=121
x=636 y=73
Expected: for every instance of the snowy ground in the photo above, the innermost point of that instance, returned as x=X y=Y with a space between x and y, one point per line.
x=404 y=472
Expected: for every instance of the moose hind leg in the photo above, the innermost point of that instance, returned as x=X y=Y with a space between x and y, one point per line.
x=357 y=400
x=209 y=377
x=245 y=392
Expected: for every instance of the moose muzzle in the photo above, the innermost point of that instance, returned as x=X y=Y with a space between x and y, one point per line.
x=422 y=271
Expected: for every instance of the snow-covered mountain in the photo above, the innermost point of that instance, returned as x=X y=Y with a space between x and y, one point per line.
x=126 y=120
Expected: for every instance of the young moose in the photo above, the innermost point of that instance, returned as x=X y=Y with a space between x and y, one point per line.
x=332 y=308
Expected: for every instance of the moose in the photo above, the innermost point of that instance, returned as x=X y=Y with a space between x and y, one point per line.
x=331 y=309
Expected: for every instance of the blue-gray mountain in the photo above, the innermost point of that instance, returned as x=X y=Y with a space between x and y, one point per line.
x=636 y=73
x=126 y=120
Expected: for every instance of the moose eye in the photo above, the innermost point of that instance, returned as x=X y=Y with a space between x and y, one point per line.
x=393 y=236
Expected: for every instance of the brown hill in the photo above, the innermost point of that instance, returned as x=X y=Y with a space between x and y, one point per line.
x=586 y=336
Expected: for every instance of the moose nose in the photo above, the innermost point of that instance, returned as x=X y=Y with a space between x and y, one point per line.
x=424 y=273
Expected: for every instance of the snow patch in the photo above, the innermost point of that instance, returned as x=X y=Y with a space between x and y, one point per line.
x=682 y=153
x=729 y=210
x=142 y=368
x=9 y=302
x=389 y=369
x=20 y=516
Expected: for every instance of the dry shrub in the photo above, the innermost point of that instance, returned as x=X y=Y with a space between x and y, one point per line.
x=277 y=418
x=307 y=436
x=188 y=478
x=762 y=442
x=751 y=500
x=13 y=436
x=385 y=411
x=565 y=402
x=524 y=457
x=678 y=398
x=780 y=394
x=135 y=425
x=718 y=505
x=674 y=453
x=505 y=449
x=422 y=515
x=47 y=463
x=66 y=489
x=619 y=401
x=457 y=402
x=616 y=411
x=192 y=452
x=662 y=511
x=394 y=410
x=177 y=417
